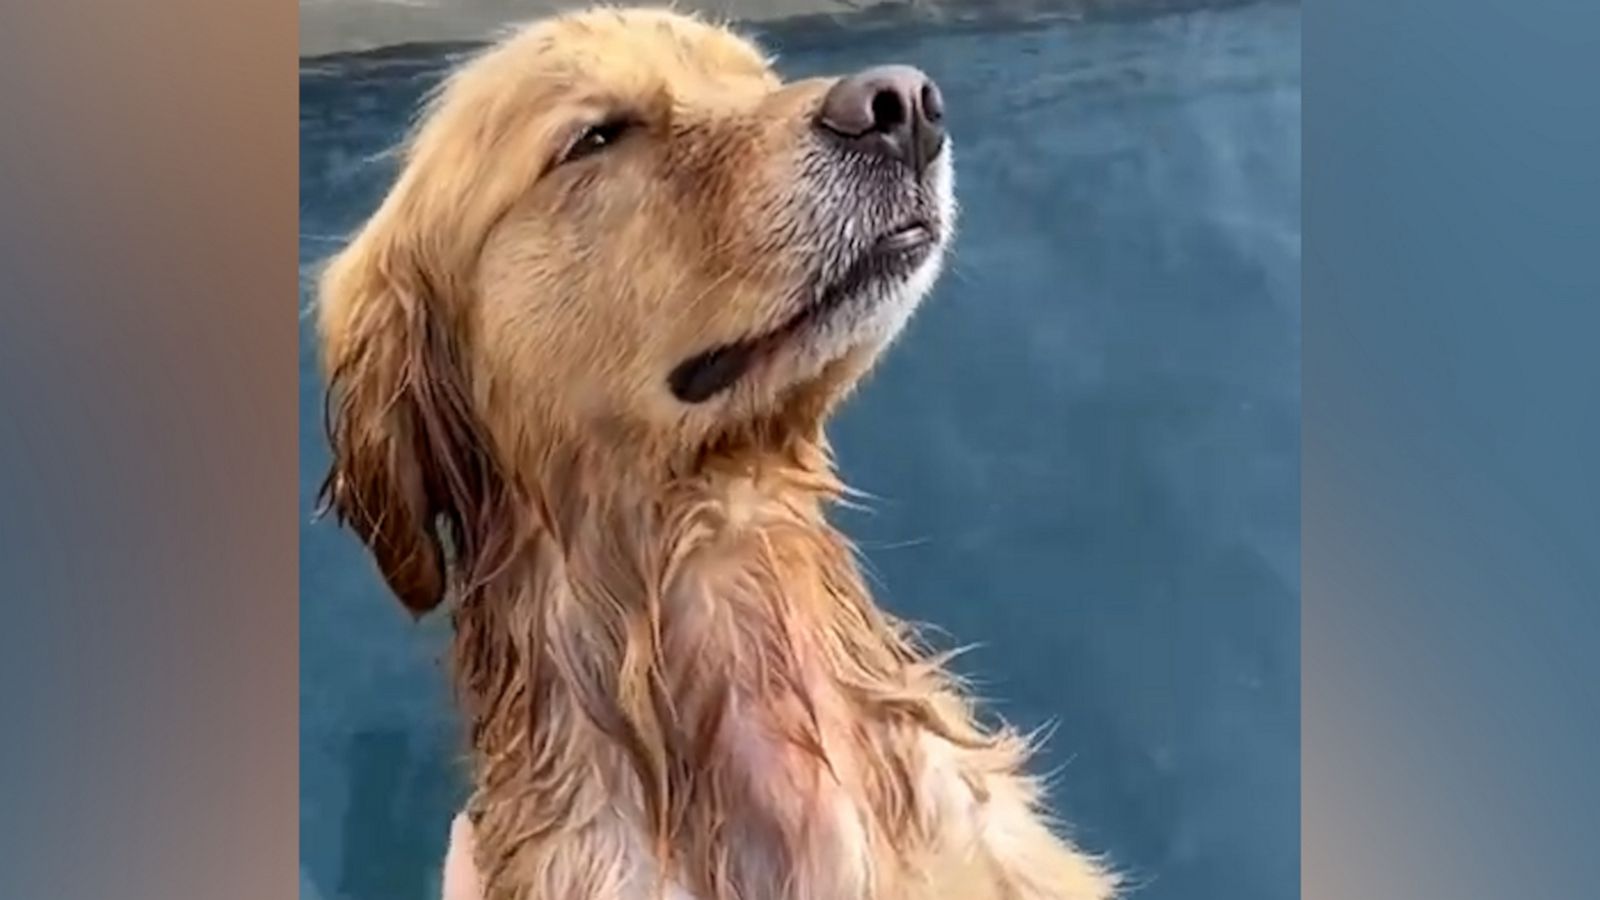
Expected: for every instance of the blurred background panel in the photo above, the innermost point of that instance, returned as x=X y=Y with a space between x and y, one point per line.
x=1085 y=451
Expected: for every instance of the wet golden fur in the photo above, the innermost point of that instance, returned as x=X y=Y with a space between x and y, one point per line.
x=676 y=682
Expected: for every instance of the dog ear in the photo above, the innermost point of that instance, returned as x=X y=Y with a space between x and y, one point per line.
x=411 y=475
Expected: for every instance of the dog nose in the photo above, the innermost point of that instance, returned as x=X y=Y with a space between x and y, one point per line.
x=889 y=111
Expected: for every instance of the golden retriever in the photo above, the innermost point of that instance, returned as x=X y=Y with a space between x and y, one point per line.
x=580 y=360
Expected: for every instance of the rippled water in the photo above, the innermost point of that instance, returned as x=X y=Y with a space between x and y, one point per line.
x=1086 y=448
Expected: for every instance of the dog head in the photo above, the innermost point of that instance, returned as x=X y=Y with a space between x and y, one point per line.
x=618 y=229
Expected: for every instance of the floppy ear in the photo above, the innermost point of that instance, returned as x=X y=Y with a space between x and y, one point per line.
x=411 y=474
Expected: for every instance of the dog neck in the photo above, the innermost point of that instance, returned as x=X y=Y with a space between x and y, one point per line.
x=704 y=648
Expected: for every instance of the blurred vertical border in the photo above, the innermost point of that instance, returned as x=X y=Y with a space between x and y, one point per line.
x=147 y=450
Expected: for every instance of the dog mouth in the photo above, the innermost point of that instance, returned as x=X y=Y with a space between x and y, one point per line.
x=894 y=256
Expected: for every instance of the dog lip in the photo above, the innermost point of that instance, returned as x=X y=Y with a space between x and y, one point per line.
x=705 y=375
x=911 y=236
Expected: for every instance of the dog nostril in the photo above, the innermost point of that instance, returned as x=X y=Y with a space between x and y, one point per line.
x=932 y=103
x=888 y=110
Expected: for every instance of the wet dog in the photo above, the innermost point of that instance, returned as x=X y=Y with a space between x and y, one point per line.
x=580 y=360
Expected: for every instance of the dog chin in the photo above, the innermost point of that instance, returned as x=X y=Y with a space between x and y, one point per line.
x=872 y=322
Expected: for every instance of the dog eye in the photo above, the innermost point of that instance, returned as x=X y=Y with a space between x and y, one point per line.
x=596 y=138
